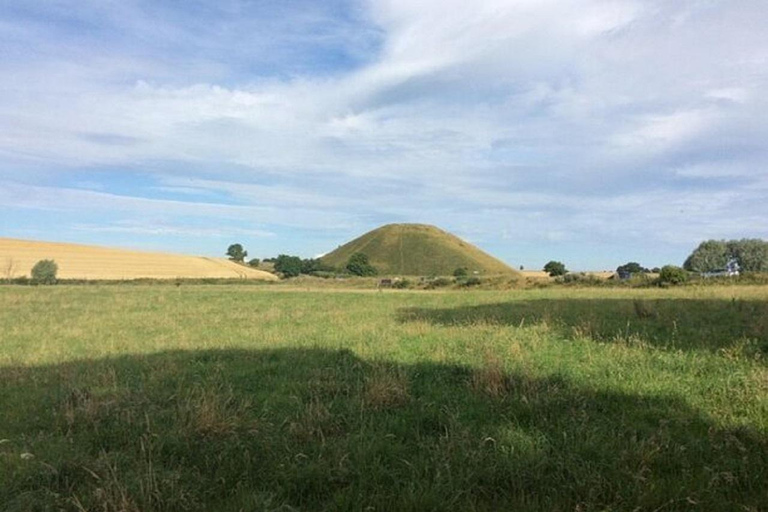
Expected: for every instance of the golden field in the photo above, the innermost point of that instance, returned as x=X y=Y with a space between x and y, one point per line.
x=17 y=257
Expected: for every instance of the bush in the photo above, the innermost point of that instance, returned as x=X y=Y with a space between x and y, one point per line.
x=460 y=272
x=289 y=266
x=471 y=281
x=254 y=263
x=438 y=282
x=401 y=284
x=671 y=274
x=359 y=265
x=44 y=272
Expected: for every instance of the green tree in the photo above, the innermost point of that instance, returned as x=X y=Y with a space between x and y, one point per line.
x=709 y=255
x=359 y=265
x=671 y=274
x=289 y=266
x=254 y=262
x=460 y=272
x=752 y=254
x=237 y=253
x=632 y=268
x=555 y=268
x=44 y=272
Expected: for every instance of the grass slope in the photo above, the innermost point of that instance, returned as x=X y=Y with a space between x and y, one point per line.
x=417 y=250
x=17 y=257
x=240 y=398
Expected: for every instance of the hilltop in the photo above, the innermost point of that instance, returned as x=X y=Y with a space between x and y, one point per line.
x=417 y=249
x=91 y=262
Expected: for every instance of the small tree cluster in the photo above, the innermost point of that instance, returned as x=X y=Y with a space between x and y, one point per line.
x=751 y=255
x=359 y=265
x=288 y=266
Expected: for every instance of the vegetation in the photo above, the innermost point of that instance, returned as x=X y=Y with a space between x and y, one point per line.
x=556 y=399
x=417 y=250
x=288 y=266
x=671 y=274
x=632 y=268
x=555 y=268
x=254 y=262
x=359 y=265
x=751 y=254
x=237 y=253
x=460 y=272
x=44 y=272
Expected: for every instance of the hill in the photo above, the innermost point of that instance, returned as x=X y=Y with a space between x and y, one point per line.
x=89 y=262
x=417 y=250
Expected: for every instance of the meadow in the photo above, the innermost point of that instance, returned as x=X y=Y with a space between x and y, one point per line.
x=228 y=398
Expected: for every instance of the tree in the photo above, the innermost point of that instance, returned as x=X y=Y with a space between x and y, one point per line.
x=555 y=268
x=708 y=256
x=671 y=274
x=631 y=268
x=254 y=263
x=460 y=272
x=236 y=253
x=752 y=254
x=44 y=272
x=289 y=266
x=359 y=265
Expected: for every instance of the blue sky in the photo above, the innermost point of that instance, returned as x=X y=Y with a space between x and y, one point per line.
x=594 y=132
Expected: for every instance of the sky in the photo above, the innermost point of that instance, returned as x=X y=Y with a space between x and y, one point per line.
x=594 y=132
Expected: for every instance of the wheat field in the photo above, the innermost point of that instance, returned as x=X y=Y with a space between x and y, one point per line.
x=17 y=257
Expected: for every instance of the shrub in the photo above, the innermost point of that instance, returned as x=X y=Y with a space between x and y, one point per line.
x=254 y=262
x=671 y=274
x=401 y=284
x=289 y=266
x=460 y=272
x=44 y=272
x=359 y=265
x=471 y=281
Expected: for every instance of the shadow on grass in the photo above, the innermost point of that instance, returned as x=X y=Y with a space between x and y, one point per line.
x=325 y=430
x=679 y=324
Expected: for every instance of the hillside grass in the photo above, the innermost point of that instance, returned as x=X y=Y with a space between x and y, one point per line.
x=264 y=398
x=417 y=250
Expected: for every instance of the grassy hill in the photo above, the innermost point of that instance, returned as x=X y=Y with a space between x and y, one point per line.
x=103 y=263
x=417 y=249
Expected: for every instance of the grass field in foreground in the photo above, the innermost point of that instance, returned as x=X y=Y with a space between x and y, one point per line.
x=243 y=398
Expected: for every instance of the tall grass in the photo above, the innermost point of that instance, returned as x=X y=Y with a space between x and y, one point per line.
x=251 y=398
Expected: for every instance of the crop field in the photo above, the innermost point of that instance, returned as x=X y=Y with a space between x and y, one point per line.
x=229 y=398
x=17 y=257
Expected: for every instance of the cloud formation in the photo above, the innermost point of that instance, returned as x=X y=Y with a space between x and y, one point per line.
x=536 y=128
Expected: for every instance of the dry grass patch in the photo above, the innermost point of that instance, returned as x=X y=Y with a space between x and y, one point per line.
x=386 y=387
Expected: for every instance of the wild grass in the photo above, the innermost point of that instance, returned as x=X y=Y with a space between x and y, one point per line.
x=253 y=398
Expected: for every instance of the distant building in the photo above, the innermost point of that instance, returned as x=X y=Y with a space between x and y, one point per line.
x=731 y=269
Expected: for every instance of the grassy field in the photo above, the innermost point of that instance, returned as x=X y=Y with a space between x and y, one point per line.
x=17 y=257
x=264 y=398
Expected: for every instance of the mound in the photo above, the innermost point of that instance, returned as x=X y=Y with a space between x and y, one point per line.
x=417 y=250
x=88 y=262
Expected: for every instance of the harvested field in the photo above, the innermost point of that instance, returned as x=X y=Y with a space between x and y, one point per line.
x=17 y=257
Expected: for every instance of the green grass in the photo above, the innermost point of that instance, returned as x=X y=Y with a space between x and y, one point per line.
x=262 y=398
x=417 y=250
